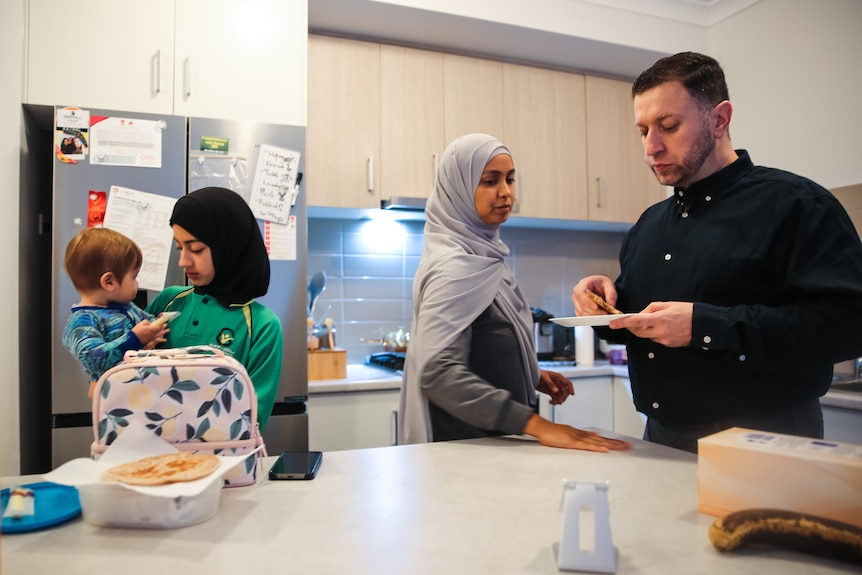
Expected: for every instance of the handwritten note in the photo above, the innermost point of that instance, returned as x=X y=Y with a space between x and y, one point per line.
x=274 y=182
x=145 y=219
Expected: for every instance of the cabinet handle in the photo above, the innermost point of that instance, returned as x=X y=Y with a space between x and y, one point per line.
x=395 y=421
x=187 y=77
x=157 y=70
x=370 y=175
x=598 y=192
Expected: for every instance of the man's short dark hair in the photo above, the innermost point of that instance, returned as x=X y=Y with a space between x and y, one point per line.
x=701 y=76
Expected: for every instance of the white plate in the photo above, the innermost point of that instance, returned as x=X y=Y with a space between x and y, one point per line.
x=590 y=320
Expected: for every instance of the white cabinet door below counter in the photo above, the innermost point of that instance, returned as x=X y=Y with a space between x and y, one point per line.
x=627 y=420
x=338 y=421
x=591 y=406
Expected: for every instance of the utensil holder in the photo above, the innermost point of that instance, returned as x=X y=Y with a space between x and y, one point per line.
x=327 y=364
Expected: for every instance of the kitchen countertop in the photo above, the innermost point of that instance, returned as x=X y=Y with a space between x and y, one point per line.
x=368 y=378
x=475 y=506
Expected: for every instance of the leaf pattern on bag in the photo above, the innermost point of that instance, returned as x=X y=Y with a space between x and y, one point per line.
x=176 y=407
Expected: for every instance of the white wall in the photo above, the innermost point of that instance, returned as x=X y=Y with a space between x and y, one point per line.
x=796 y=85
x=12 y=48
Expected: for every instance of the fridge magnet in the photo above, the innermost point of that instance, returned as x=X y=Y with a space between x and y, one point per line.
x=97 y=202
x=214 y=145
x=126 y=142
x=275 y=178
x=71 y=135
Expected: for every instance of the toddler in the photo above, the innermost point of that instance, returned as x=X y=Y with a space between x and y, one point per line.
x=104 y=265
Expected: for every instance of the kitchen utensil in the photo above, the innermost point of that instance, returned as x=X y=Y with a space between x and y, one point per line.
x=313 y=342
x=329 y=335
x=316 y=285
x=324 y=331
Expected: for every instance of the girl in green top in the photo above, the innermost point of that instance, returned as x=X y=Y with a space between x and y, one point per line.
x=225 y=260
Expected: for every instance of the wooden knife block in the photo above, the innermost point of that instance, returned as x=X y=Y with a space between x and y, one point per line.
x=327 y=364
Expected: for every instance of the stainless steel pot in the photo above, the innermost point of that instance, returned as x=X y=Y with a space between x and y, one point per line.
x=393 y=341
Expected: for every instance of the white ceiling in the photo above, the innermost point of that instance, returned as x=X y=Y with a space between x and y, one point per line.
x=399 y=22
x=699 y=12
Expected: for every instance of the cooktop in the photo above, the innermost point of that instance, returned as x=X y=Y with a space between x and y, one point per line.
x=391 y=360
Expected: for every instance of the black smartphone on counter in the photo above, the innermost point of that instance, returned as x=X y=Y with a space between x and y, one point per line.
x=296 y=465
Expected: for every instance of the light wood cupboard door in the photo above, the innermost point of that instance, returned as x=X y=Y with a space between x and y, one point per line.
x=241 y=60
x=101 y=54
x=411 y=137
x=342 y=142
x=544 y=127
x=473 y=92
x=621 y=185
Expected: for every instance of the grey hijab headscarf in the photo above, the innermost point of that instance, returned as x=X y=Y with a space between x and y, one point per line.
x=461 y=272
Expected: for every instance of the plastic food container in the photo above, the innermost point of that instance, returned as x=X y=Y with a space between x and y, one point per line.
x=112 y=505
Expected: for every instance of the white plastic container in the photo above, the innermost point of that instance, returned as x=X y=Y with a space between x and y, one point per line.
x=112 y=505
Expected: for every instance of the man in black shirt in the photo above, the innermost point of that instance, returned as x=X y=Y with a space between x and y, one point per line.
x=748 y=279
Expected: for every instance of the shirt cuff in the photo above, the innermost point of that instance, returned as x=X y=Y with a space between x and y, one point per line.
x=709 y=327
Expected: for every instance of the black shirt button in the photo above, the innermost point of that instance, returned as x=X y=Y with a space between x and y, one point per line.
x=195 y=323
x=206 y=300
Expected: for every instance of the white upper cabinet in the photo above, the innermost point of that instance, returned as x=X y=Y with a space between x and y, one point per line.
x=231 y=59
x=101 y=54
x=241 y=60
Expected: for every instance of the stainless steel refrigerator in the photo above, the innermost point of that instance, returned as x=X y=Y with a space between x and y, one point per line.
x=55 y=204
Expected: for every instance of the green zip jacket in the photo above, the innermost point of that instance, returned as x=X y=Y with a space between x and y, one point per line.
x=250 y=333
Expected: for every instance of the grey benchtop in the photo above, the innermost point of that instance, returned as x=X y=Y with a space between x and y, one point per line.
x=367 y=378
x=488 y=506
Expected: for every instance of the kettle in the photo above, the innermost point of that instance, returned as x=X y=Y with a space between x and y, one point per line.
x=543 y=333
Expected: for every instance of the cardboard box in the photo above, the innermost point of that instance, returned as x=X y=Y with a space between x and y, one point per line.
x=744 y=469
x=327 y=364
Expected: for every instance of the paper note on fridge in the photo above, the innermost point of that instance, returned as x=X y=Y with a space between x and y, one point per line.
x=145 y=219
x=274 y=181
x=126 y=142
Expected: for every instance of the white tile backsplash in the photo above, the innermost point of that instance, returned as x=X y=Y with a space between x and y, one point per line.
x=370 y=269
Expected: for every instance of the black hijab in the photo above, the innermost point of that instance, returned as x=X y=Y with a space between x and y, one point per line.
x=222 y=220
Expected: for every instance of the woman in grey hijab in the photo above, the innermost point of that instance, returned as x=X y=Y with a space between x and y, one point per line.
x=471 y=369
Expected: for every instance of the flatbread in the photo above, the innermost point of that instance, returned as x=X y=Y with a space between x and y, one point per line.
x=600 y=301
x=163 y=469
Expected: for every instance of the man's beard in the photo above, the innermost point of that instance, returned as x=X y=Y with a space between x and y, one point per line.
x=682 y=175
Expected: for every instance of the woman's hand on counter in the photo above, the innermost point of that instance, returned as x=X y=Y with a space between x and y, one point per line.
x=565 y=436
x=556 y=385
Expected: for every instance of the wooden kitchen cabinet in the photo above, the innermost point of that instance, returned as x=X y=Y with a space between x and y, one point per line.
x=473 y=96
x=343 y=137
x=358 y=420
x=412 y=129
x=620 y=184
x=544 y=127
x=209 y=58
